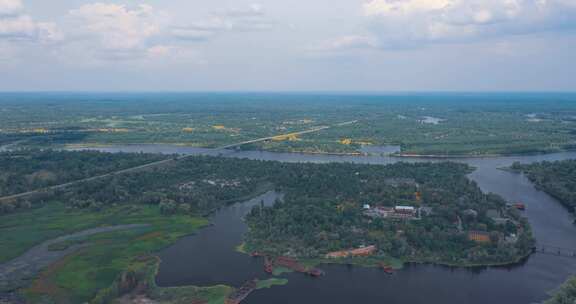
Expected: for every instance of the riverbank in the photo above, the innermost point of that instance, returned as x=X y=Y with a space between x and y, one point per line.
x=18 y=272
x=394 y=263
x=554 y=178
x=105 y=251
x=138 y=281
x=112 y=144
x=406 y=155
x=486 y=155
x=565 y=294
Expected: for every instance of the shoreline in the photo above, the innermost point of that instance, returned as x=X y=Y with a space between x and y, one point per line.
x=464 y=156
x=357 y=153
x=399 y=263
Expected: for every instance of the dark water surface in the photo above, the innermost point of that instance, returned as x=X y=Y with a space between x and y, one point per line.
x=209 y=258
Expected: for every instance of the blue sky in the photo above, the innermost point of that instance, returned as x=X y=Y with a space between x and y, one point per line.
x=272 y=45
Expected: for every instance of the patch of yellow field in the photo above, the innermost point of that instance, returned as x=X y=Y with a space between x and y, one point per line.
x=289 y=137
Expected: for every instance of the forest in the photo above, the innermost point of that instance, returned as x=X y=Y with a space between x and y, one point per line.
x=323 y=213
x=28 y=170
x=558 y=179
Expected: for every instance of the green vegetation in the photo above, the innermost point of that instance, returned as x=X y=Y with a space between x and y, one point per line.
x=372 y=261
x=271 y=283
x=566 y=294
x=30 y=170
x=555 y=178
x=192 y=294
x=77 y=278
x=322 y=211
x=22 y=230
x=139 y=280
x=467 y=124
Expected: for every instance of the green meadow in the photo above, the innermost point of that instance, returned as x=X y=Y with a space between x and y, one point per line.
x=79 y=276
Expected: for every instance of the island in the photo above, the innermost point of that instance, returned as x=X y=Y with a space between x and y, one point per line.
x=423 y=212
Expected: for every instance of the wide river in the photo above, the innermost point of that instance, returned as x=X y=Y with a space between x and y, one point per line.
x=208 y=257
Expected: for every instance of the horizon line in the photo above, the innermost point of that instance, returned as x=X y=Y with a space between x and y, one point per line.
x=346 y=92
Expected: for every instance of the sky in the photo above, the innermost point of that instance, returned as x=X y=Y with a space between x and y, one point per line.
x=297 y=45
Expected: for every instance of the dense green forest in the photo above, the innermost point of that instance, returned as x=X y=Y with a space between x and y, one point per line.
x=23 y=171
x=322 y=212
x=555 y=178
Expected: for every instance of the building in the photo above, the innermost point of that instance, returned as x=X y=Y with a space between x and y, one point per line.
x=379 y=212
x=405 y=210
x=479 y=236
x=398 y=212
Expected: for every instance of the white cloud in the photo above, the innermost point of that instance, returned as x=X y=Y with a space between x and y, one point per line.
x=248 y=19
x=347 y=42
x=15 y=26
x=10 y=7
x=413 y=23
x=400 y=7
x=120 y=32
x=117 y=27
x=197 y=32
x=103 y=32
x=18 y=26
x=158 y=51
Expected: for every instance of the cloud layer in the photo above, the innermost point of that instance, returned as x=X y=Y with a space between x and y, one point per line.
x=15 y=25
x=116 y=27
x=414 y=23
x=10 y=7
x=109 y=31
x=250 y=19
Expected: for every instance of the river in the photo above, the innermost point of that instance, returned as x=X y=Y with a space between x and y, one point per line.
x=209 y=258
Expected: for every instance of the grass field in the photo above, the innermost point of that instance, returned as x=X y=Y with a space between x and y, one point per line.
x=78 y=277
